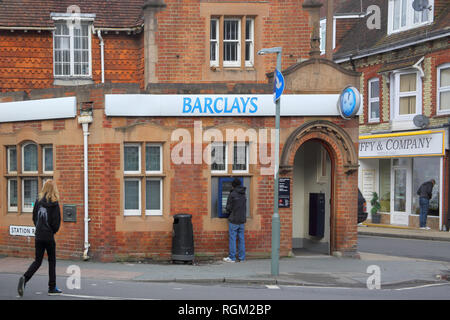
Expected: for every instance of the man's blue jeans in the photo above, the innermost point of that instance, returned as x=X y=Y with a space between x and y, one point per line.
x=424 y=204
x=233 y=231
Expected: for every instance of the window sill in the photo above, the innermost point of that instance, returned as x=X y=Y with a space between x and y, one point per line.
x=72 y=81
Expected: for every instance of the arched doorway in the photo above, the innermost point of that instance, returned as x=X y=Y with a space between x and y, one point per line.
x=311 y=203
x=321 y=158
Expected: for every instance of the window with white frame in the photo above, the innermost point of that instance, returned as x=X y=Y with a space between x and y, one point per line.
x=323 y=35
x=219 y=158
x=443 y=88
x=224 y=171
x=23 y=181
x=232 y=39
x=402 y=16
x=47 y=159
x=249 y=42
x=214 y=43
x=72 y=49
x=407 y=95
x=231 y=42
x=143 y=188
x=374 y=100
x=240 y=157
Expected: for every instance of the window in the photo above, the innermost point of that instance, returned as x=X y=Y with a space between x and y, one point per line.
x=72 y=50
x=374 y=100
x=143 y=191
x=12 y=159
x=30 y=158
x=402 y=16
x=249 y=42
x=323 y=35
x=443 y=88
x=23 y=181
x=47 y=160
x=214 y=42
x=12 y=195
x=222 y=176
x=231 y=43
x=219 y=158
x=240 y=157
x=425 y=169
x=233 y=39
x=407 y=95
x=385 y=185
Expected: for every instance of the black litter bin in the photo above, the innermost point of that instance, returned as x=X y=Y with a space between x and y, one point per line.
x=182 y=238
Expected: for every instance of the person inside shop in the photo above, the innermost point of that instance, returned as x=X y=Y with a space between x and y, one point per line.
x=236 y=207
x=47 y=219
x=425 y=193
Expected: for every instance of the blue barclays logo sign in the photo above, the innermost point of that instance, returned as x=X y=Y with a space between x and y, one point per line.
x=220 y=105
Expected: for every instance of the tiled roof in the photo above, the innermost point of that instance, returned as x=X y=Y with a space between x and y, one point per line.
x=36 y=13
x=361 y=40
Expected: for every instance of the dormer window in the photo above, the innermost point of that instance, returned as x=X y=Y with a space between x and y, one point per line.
x=72 y=52
x=402 y=15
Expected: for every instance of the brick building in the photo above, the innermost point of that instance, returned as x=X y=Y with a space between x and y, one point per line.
x=135 y=83
x=405 y=66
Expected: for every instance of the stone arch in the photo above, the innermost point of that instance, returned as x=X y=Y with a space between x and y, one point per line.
x=344 y=162
x=335 y=139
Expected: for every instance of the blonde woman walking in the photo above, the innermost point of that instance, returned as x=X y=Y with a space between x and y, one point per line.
x=47 y=219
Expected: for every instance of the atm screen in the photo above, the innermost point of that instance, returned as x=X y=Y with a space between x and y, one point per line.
x=226 y=189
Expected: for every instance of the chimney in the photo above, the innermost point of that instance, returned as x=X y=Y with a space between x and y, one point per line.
x=313 y=8
x=151 y=8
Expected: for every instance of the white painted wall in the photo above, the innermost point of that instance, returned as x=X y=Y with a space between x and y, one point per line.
x=306 y=163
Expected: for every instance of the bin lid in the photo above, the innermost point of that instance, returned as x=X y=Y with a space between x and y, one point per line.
x=182 y=215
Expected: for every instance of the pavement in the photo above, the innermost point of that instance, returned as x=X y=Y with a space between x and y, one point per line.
x=303 y=268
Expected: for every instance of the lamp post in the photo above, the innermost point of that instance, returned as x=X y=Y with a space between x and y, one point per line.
x=275 y=217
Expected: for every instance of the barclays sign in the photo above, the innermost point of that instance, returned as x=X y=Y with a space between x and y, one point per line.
x=220 y=105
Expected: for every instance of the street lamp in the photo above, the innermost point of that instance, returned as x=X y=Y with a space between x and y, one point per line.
x=275 y=217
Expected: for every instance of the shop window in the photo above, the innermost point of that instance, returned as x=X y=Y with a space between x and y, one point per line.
x=443 y=88
x=407 y=95
x=231 y=40
x=425 y=169
x=24 y=181
x=402 y=16
x=143 y=189
x=374 y=100
x=385 y=185
x=72 y=49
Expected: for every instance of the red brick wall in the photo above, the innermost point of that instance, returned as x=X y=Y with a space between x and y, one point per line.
x=182 y=38
x=27 y=59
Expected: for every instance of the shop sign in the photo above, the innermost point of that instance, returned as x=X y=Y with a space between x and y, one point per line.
x=24 y=231
x=411 y=144
x=214 y=105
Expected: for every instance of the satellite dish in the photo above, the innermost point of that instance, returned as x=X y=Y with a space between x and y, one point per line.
x=420 y=5
x=421 y=121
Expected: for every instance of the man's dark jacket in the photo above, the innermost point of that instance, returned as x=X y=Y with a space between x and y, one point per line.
x=426 y=190
x=237 y=205
x=46 y=218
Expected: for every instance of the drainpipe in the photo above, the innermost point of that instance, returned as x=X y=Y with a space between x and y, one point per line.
x=102 y=52
x=85 y=119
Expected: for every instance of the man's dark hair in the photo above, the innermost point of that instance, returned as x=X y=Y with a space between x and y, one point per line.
x=236 y=182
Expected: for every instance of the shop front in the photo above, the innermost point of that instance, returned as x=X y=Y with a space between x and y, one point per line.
x=394 y=166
